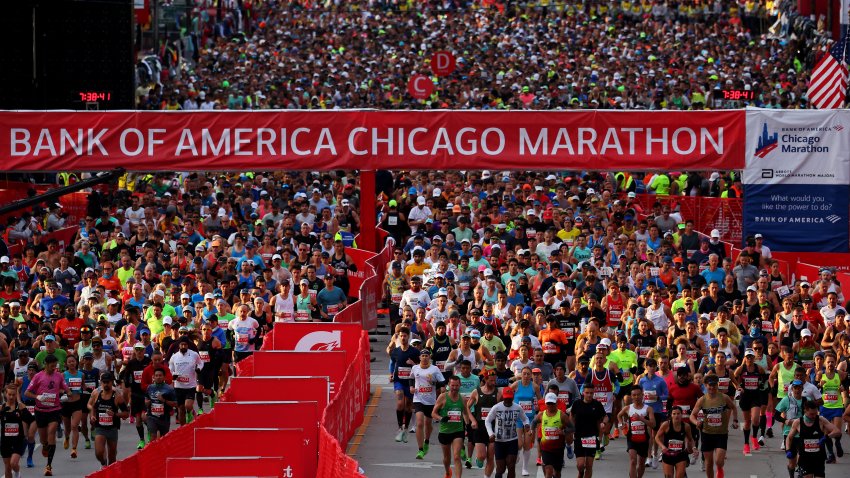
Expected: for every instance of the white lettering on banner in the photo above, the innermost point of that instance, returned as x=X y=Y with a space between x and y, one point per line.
x=320 y=340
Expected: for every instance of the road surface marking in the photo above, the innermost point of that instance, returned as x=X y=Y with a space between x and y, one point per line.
x=361 y=431
x=418 y=464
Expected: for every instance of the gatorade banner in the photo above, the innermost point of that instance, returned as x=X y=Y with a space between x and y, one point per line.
x=797 y=179
x=359 y=139
x=316 y=337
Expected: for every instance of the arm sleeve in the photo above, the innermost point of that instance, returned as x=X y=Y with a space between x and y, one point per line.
x=488 y=423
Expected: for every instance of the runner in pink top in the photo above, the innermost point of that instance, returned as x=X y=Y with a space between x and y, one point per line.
x=46 y=389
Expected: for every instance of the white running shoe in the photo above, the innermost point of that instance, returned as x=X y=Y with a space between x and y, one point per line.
x=654 y=463
x=400 y=435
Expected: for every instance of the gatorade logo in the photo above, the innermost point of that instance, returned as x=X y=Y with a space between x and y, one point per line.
x=320 y=341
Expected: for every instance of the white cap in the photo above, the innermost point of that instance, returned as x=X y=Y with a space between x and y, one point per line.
x=209 y=295
x=111 y=302
x=442 y=292
x=758 y=236
x=591 y=191
x=715 y=233
x=550 y=398
x=714 y=176
x=4 y=260
x=806 y=333
x=632 y=195
x=436 y=192
x=159 y=292
x=221 y=212
x=167 y=320
x=488 y=272
x=185 y=296
x=485 y=174
x=551 y=177
x=14 y=304
x=276 y=256
x=606 y=342
x=420 y=200
x=560 y=286
x=530 y=212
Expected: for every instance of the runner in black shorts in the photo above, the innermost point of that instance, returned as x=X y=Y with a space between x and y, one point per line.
x=13 y=420
x=675 y=441
x=749 y=376
x=481 y=400
x=588 y=418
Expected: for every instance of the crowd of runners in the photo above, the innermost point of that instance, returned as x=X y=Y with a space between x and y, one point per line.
x=552 y=313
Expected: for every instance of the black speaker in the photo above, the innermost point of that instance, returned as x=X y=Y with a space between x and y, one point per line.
x=76 y=54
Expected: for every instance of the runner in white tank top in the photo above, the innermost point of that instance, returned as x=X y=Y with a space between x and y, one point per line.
x=283 y=306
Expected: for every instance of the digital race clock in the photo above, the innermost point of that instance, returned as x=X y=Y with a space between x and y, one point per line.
x=739 y=95
x=94 y=96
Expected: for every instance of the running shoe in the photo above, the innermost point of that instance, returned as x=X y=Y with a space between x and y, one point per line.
x=48 y=470
x=30 y=464
x=43 y=451
x=720 y=473
x=88 y=444
x=404 y=437
x=140 y=445
x=755 y=442
x=605 y=441
x=448 y=474
x=539 y=461
x=598 y=455
x=769 y=432
x=654 y=463
x=399 y=435
x=66 y=443
x=425 y=447
x=615 y=434
x=830 y=458
x=839 y=451
x=420 y=455
x=479 y=463
x=525 y=473
x=648 y=462
x=468 y=464
x=570 y=454
x=782 y=447
x=73 y=453
x=761 y=441
x=200 y=411
x=747 y=450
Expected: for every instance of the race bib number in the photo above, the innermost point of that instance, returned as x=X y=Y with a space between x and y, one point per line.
x=484 y=413
x=48 y=399
x=601 y=397
x=302 y=316
x=807 y=364
x=685 y=408
x=333 y=309
x=75 y=384
x=441 y=365
x=104 y=419
x=714 y=419
x=653 y=271
x=183 y=379
x=11 y=429
x=643 y=351
x=157 y=409
x=811 y=445
x=588 y=442
x=785 y=389
x=404 y=373
x=137 y=376
x=627 y=375
x=551 y=433
x=424 y=390
x=205 y=355
x=454 y=416
x=751 y=383
x=392 y=221
x=313 y=293
x=527 y=406
x=570 y=332
x=564 y=398
x=767 y=326
x=650 y=396
x=31 y=409
x=284 y=317
x=723 y=383
x=395 y=298
x=464 y=286
x=830 y=397
x=638 y=430
x=675 y=446
x=242 y=339
x=550 y=348
x=91 y=385
x=692 y=355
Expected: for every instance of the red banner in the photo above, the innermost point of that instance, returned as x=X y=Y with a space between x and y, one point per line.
x=307 y=337
x=232 y=466
x=724 y=214
x=324 y=140
x=278 y=362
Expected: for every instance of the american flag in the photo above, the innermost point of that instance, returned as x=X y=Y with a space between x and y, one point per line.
x=828 y=87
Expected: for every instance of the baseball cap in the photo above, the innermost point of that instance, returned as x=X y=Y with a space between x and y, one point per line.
x=715 y=233
x=606 y=342
x=551 y=398
x=139 y=345
x=709 y=379
x=536 y=370
x=750 y=352
x=797 y=383
x=714 y=343
x=806 y=333
x=50 y=338
x=507 y=392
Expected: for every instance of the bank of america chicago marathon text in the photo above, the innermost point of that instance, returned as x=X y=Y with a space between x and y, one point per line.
x=792 y=143
x=362 y=141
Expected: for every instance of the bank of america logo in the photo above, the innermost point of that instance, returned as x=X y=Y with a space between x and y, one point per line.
x=767 y=142
x=838 y=127
x=833 y=218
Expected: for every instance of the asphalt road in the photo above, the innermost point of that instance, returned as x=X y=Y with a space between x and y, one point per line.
x=381 y=457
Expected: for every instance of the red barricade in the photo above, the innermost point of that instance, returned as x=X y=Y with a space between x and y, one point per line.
x=64 y=236
x=230 y=466
x=306 y=337
x=271 y=442
x=724 y=214
x=286 y=363
x=250 y=389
